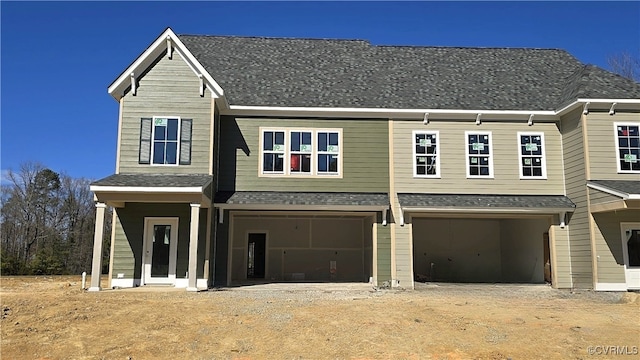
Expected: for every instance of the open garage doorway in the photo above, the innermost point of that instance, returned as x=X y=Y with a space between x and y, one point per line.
x=480 y=250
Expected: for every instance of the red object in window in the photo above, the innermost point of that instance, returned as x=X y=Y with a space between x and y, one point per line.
x=295 y=162
x=625 y=132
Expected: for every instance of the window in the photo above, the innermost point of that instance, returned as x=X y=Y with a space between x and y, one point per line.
x=300 y=152
x=531 y=155
x=165 y=141
x=426 y=162
x=273 y=152
x=328 y=152
x=479 y=159
x=628 y=147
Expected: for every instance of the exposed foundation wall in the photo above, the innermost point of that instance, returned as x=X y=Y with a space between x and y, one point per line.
x=302 y=248
x=479 y=250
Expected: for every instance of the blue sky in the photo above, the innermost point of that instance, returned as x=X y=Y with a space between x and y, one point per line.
x=57 y=58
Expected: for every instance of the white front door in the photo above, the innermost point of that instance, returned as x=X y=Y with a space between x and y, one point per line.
x=631 y=251
x=160 y=249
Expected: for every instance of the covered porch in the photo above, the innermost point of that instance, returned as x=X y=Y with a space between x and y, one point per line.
x=161 y=230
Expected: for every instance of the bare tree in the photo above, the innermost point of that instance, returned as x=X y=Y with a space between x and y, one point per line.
x=625 y=64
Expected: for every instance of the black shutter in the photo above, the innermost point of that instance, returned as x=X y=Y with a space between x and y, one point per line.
x=185 y=142
x=145 y=141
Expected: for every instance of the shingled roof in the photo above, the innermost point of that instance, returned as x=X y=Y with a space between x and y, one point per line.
x=261 y=71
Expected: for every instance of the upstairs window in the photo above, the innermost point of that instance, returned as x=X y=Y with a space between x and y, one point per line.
x=479 y=155
x=165 y=141
x=328 y=152
x=426 y=161
x=273 y=152
x=628 y=147
x=531 y=155
x=300 y=152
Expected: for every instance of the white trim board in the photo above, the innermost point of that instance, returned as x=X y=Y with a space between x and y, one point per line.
x=623 y=195
x=610 y=287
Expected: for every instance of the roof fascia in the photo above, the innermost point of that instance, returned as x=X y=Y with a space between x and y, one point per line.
x=549 y=211
x=392 y=113
x=301 y=207
x=148 y=189
x=117 y=88
x=610 y=191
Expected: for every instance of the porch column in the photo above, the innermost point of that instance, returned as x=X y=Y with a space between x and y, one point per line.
x=193 y=248
x=96 y=264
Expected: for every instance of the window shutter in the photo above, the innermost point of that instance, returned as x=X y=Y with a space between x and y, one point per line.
x=145 y=141
x=185 y=142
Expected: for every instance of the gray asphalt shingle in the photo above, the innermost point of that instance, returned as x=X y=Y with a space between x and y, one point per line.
x=485 y=201
x=353 y=73
x=624 y=186
x=155 y=180
x=301 y=198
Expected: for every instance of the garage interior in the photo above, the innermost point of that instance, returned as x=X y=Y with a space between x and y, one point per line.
x=480 y=250
x=274 y=247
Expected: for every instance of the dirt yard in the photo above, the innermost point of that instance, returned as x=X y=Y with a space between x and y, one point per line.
x=52 y=318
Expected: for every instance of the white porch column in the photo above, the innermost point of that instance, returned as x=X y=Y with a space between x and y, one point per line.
x=193 y=248
x=96 y=264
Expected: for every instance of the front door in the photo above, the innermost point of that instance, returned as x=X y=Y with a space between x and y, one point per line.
x=256 y=255
x=161 y=238
x=631 y=252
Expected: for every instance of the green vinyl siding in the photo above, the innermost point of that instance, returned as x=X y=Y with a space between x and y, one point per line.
x=365 y=156
x=168 y=88
x=128 y=248
x=602 y=145
x=452 y=150
x=384 y=253
x=578 y=225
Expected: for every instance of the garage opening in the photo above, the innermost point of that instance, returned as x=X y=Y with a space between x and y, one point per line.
x=480 y=250
x=315 y=248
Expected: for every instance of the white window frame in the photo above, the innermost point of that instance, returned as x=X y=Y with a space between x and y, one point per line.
x=468 y=155
x=314 y=153
x=415 y=133
x=153 y=133
x=615 y=136
x=543 y=155
x=285 y=161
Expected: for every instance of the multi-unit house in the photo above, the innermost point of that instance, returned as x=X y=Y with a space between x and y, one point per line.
x=244 y=159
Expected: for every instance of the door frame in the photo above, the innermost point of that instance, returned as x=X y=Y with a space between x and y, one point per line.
x=147 y=250
x=246 y=251
x=625 y=252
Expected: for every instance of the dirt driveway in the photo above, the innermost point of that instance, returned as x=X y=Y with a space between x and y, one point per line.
x=52 y=318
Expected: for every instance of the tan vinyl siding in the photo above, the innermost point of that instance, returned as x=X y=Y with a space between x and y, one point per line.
x=364 y=155
x=505 y=148
x=169 y=88
x=602 y=145
x=580 y=245
x=601 y=197
x=560 y=256
x=608 y=242
x=404 y=254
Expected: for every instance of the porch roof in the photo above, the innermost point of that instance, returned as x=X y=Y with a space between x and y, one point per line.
x=275 y=200
x=118 y=189
x=473 y=202
x=154 y=180
x=626 y=189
